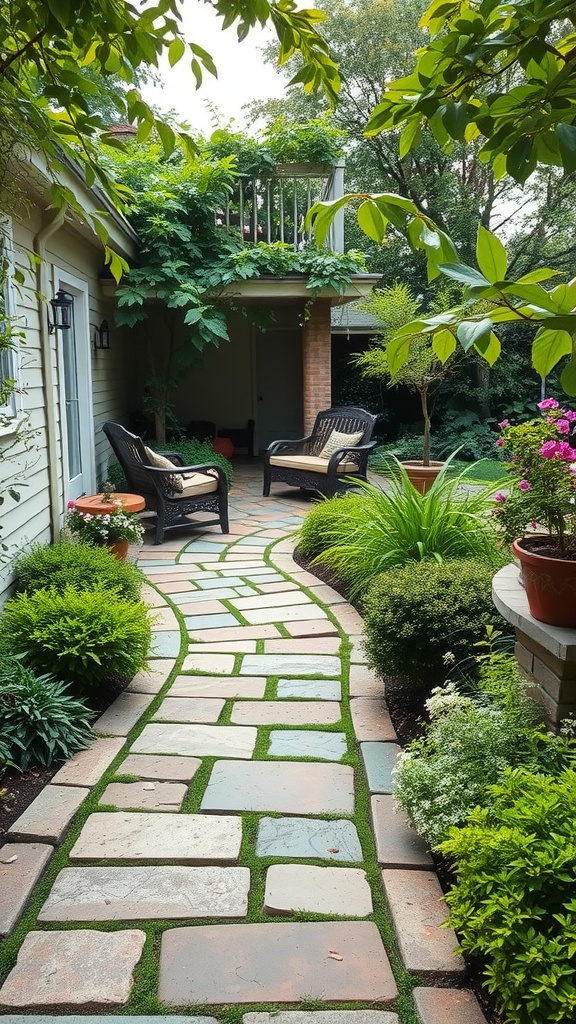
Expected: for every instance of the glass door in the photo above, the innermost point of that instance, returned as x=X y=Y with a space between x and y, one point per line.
x=76 y=394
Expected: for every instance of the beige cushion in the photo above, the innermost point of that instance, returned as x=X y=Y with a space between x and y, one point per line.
x=161 y=462
x=312 y=463
x=198 y=483
x=339 y=440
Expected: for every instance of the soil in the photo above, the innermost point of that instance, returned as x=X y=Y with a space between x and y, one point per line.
x=541 y=546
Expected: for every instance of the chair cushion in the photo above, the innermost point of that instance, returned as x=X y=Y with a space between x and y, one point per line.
x=198 y=483
x=337 y=440
x=161 y=462
x=310 y=463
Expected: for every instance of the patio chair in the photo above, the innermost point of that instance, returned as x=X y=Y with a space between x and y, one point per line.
x=174 y=492
x=337 y=448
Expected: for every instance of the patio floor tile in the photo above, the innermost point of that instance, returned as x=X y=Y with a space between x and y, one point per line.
x=289 y=712
x=290 y=665
x=288 y=787
x=308 y=838
x=322 y=746
x=341 y=891
x=189 y=709
x=145 y=836
x=196 y=740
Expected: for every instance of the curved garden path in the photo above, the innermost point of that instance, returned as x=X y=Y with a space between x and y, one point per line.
x=230 y=840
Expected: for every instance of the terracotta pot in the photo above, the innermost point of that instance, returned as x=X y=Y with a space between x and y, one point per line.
x=119 y=549
x=422 y=477
x=550 y=585
x=224 y=446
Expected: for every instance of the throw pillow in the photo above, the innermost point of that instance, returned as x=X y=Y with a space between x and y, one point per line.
x=337 y=440
x=161 y=462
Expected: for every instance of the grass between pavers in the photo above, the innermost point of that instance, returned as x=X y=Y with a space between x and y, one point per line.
x=144 y=996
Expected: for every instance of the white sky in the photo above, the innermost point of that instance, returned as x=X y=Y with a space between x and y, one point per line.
x=242 y=73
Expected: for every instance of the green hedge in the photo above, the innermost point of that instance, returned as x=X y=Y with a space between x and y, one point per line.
x=75 y=565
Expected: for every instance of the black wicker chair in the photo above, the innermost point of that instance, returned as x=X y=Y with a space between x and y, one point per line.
x=299 y=462
x=205 y=487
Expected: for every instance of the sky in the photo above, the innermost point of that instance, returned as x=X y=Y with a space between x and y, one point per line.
x=242 y=73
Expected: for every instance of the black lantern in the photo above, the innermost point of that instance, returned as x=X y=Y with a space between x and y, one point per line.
x=102 y=336
x=61 y=312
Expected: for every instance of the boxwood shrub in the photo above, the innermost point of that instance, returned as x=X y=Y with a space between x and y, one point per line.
x=75 y=565
x=415 y=614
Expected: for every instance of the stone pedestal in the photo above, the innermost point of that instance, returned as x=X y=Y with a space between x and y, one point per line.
x=546 y=654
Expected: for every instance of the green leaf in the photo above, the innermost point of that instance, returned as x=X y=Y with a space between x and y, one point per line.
x=491 y=255
x=176 y=51
x=167 y=137
x=465 y=275
x=544 y=274
x=410 y=138
x=489 y=348
x=455 y=119
x=566 y=135
x=568 y=378
x=474 y=332
x=443 y=344
x=548 y=348
x=397 y=353
x=371 y=221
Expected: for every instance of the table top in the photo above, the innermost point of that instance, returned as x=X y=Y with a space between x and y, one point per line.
x=93 y=503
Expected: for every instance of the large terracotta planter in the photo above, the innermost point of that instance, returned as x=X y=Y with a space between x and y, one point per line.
x=422 y=477
x=119 y=549
x=550 y=585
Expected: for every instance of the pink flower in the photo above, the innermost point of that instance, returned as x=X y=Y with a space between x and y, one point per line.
x=569 y=414
x=71 y=504
x=525 y=486
x=533 y=524
x=500 y=497
x=548 y=403
x=499 y=441
x=549 y=449
x=566 y=451
x=503 y=424
x=563 y=426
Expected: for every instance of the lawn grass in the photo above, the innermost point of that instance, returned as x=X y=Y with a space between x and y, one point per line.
x=485 y=471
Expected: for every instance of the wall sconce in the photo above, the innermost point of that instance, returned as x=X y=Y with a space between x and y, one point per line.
x=61 y=312
x=102 y=336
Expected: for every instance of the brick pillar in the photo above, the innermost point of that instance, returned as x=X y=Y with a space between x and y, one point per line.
x=316 y=350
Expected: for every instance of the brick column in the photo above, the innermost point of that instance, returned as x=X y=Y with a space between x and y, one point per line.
x=316 y=351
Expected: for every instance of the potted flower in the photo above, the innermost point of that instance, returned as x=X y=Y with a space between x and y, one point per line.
x=542 y=470
x=116 y=528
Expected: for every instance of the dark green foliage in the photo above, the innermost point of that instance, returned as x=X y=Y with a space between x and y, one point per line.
x=196 y=453
x=43 y=723
x=514 y=900
x=5 y=756
x=84 y=637
x=320 y=522
x=75 y=565
x=416 y=613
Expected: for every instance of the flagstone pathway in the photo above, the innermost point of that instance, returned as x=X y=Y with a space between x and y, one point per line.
x=229 y=838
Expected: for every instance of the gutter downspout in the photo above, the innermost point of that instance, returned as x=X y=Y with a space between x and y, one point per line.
x=48 y=379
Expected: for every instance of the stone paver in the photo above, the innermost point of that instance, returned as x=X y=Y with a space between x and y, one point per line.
x=323 y=746
x=290 y=665
x=225 y=647
x=180 y=838
x=312 y=627
x=278 y=963
x=165 y=644
x=21 y=866
x=364 y=682
x=87 y=766
x=418 y=913
x=152 y=680
x=397 y=845
x=216 y=686
x=304 y=645
x=49 y=815
x=293 y=887
x=371 y=719
x=288 y=787
x=168 y=769
x=280 y=600
x=236 y=633
x=286 y=614
x=380 y=761
x=196 y=622
x=308 y=838
x=319 y=1017
x=123 y=714
x=145 y=796
x=218 y=664
x=189 y=709
x=439 y=1005
x=315 y=689
x=290 y=712
x=105 y=1019
x=196 y=740
x=73 y=970
x=147 y=893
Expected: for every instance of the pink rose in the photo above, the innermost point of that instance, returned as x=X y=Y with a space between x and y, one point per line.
x=71 y=504
x=566 y=451
x=499 y=441
x=500 y=497
x=548 y=403
x=549 y=449
x=525 y=486
x=563 y=426
x=503 y=424
x=569 y=414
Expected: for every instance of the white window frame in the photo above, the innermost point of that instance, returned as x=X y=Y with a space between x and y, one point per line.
x=12 y=413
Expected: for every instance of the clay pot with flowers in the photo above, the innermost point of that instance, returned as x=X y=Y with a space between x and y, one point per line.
x=115 y=528
x=542 y=470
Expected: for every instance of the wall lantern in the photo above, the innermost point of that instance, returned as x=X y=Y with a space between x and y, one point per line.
x=61 y=312
x=102 y=336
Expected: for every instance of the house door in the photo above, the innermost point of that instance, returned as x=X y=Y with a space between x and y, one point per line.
x=76 y=393
x=279 y=411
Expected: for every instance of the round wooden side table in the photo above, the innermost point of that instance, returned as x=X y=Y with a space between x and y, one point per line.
x=94 y=504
